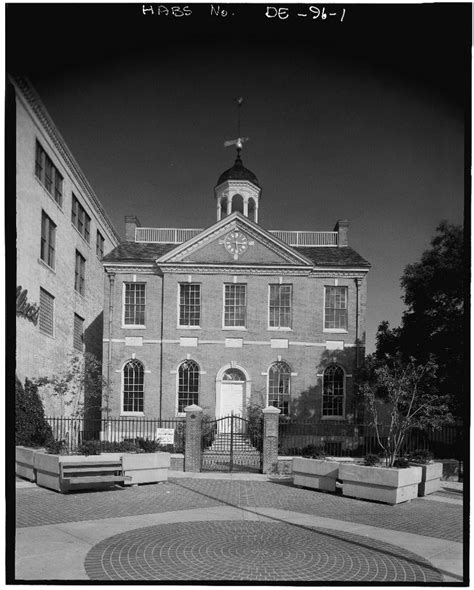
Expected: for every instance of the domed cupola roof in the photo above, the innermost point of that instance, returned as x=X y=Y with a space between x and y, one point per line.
x=238 y=172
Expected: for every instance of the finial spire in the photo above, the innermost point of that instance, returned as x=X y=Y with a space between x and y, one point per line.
x=240 y=140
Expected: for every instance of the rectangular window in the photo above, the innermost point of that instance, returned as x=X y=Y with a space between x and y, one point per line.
x=80 y=219
x=99 y=245
x=78 y=335
x=80 y=273
x=280 y=306
x=235 y=305
x=39 y=163
x=189 y=304
x=46 y=313
x=48 y=174
x=48 y=240
x=74 y=211
x=134 y=304
x=335 y=308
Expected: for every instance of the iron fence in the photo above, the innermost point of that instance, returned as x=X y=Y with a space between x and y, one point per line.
x=75 y=431
x=341 y=439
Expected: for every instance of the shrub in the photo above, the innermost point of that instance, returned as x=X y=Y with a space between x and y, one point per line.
x=31 y=427
x=90 y=447
x=148 y=446
x=421 y=456
x=56 y=447
x=126 y=446
x=371 y=459
x=401 y=463
x=313 y=452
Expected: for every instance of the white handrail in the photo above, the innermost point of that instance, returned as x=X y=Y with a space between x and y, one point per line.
x=173 y=235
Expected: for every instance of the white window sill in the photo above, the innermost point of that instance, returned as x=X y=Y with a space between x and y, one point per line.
x=335 y=331
x=46 y=265
x=278 y=329
x=188 y=327
x=132 y=327
x=132 y=414
x=240 y=328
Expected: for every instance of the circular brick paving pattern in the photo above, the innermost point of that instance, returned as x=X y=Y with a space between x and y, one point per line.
x=252 y=551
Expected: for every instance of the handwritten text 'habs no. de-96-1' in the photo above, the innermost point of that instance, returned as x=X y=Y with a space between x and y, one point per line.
x=278 y=12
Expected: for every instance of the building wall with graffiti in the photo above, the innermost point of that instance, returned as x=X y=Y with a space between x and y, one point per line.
x=62 y=235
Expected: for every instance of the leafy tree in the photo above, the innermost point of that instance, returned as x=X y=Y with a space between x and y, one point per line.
x=434 y=324
x=413 y=401
x=31 y=427
x=80 y=387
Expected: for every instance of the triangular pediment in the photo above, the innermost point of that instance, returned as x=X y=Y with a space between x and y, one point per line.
x=235 y=240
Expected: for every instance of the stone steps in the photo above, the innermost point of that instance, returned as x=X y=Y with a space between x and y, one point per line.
x=240 y=443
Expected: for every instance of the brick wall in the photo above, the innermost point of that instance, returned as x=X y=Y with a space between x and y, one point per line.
x=306 y=353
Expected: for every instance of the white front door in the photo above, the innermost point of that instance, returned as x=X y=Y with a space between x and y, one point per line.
x=231 y=398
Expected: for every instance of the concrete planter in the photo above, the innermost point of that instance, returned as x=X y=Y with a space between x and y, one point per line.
x=431 y=474
x=380 y=484
x=48 y=470
x=139 y=467
x=24 y=462
x=146 y=467
x=318 y=474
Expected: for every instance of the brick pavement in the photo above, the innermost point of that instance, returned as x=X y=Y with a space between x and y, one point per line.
x=252 y=551
x=36 y=506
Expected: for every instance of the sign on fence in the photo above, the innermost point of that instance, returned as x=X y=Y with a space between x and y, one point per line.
x=165 y=436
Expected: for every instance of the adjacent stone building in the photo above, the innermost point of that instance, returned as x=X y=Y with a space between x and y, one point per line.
x=62 y=234
x=233 y=314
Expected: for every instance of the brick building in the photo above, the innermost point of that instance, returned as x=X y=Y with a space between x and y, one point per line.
x=62 y=233
x=233 y=313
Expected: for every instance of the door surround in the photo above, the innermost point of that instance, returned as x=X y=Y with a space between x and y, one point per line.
x=220 y=381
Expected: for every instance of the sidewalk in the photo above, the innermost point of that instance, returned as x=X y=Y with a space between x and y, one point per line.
x=235 y=527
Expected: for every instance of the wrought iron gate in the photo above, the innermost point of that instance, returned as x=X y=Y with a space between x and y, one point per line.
x=232 y=443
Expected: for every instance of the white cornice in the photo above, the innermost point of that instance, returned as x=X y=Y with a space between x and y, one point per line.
x=235 y=270
x=118 y=267
x=318 y=273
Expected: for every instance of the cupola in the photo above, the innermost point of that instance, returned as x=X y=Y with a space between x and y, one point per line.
x=238 y=190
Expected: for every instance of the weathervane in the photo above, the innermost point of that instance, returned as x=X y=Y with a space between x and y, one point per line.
x=239 y=142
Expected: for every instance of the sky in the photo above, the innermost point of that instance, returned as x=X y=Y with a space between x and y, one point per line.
x=360 y=115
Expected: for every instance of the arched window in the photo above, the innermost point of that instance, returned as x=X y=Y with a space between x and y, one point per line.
x=233 y=375
x=133 y=373
x=238 y=203
x=279 y=386
x=333 y=391
x=188 y=384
